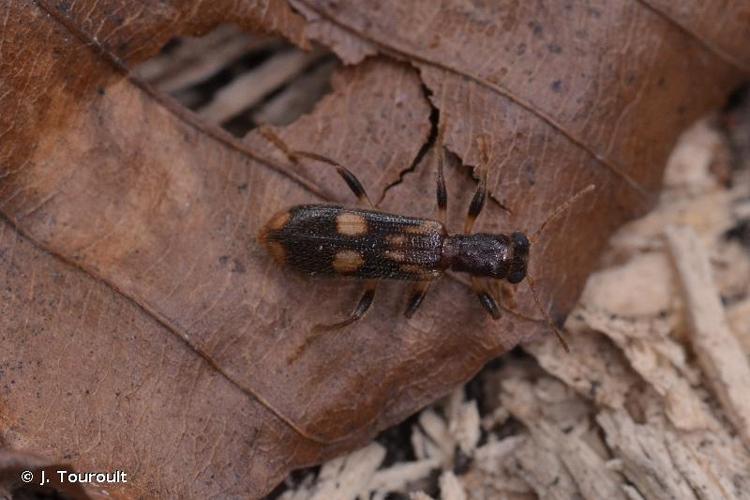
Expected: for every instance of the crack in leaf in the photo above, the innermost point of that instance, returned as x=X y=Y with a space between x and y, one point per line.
x=424 y=149
x=413 y=57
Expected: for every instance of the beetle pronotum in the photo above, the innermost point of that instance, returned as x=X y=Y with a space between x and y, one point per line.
x=329 y=241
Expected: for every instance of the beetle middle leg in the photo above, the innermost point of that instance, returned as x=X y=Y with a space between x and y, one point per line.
x=418 y=292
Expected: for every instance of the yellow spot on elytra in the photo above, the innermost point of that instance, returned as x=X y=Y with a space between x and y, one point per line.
x=278 y=221
x=347 y=261
x=350 y=224
x=275 y=223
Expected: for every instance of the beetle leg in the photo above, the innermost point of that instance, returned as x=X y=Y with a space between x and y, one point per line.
x=362 y=306
x=354 y=184
x=350 y=179
x=442 y=192
x=486 y=298
x=477 y=202
x=418 y=292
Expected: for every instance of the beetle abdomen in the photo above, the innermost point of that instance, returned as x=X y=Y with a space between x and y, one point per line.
x=331 y=241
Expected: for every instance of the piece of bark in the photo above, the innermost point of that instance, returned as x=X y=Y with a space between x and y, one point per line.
x=399 y=476
x=739 y=319
x=249 y=88
x=648 y=352
x=719 y=352
x=588 y=473
x=491 y=474
x=419 y=495
x=349 y=477
x=646 y=459
x=198 y=59
x=450 y=487
x=664 y=464
x=297 y=98
x=592 y=368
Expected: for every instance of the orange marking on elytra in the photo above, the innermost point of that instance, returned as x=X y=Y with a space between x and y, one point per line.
x=347 y=261
x=350 y=224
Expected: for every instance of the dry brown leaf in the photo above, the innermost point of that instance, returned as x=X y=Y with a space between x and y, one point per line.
x=142 y=327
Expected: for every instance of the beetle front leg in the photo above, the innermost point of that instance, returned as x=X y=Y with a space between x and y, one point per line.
x=486 y=298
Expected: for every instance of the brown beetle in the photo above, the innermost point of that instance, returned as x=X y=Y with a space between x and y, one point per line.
x=364 y=243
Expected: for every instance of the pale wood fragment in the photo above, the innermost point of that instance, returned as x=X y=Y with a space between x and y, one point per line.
x=297 y=98
x=419 y=495
x=450 y=487
x=580 y=470
x=197 y=59
x=491 y=475
x=719 y=352
x=250 y=87
x=441 y=443
x=398 y=476
x=661 y=363
x=739 y=320
x=664 y=463
x=465 y=427
x=592 y=368
x=647 y=462
x=347 y=477
x=544 y=472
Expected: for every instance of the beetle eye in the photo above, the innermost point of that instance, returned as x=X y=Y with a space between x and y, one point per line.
x=520 y=242
x=516 y=277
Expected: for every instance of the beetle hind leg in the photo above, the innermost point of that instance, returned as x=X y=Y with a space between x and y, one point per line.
x=359 y=311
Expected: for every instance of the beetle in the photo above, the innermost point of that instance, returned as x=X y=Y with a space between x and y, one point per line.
x=332 y=241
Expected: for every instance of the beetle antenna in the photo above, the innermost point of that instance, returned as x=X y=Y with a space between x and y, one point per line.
x=294 y=156
x=554 y=328
x=274 y=139
x=561 y=210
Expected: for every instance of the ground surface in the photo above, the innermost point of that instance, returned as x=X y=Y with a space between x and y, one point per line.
x=651 y=402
